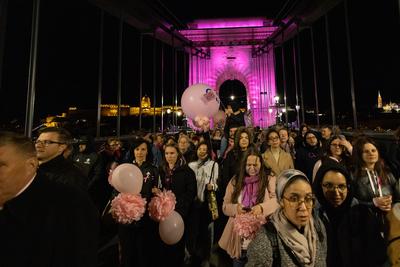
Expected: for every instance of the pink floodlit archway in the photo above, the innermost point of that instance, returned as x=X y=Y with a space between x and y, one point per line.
x=230 y=43
x=256 y=74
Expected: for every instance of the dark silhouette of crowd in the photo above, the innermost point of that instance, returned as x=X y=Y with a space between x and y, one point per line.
x=327 y=199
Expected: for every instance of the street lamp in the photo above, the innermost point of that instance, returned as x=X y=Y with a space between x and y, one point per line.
x=278 y=111
x=298 y=115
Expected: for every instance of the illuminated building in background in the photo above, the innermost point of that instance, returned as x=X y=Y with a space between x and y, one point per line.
x=111 y=110
x=379 y=100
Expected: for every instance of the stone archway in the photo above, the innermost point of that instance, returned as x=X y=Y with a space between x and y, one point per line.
x=233 y=90
x=231 y=73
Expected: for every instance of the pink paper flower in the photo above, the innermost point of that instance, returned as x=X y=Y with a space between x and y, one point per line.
x=161 y=205
x=246 y=225
x=126 y=208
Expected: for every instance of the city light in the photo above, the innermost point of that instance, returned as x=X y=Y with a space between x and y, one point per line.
x=179 y=113
x=169 y=111
x=232 y=97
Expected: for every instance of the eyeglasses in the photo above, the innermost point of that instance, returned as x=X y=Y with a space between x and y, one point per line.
x=295 y=201
x=47 y=142
x=330 y=187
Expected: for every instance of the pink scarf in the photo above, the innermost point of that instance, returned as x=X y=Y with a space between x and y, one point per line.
x=250 y=191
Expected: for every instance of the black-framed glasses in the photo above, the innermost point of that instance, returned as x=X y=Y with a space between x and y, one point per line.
x=295 y=201
x=47 y=142
x=331 y=187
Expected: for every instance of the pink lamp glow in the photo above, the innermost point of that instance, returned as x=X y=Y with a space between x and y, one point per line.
x=228 y=23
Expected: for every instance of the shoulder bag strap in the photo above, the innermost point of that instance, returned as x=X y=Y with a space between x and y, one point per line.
x=212 y=173
x=273 y=238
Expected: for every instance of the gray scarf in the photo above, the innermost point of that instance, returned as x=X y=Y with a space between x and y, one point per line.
x=304 y=246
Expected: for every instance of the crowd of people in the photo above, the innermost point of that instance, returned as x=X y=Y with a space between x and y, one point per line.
x=327 y=201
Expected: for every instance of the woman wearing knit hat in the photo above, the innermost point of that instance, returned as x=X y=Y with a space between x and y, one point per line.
x=353 y=232
x=292 y=236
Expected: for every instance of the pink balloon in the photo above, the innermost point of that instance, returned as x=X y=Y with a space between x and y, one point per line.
x=171 y=229
x=205 y=124
x=200 y=100
x=219 y=117
x=127 y=178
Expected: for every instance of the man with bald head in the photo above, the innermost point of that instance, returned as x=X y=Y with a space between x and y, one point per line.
x=42 y=222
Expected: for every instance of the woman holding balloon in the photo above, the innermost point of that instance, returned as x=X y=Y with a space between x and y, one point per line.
x=137 y=237
x=180 y=179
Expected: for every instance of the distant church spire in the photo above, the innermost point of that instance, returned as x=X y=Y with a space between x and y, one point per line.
x=379 y=100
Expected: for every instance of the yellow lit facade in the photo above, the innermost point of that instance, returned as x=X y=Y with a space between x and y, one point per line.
x=111 y=110
x=379 y=100
x=55 y=121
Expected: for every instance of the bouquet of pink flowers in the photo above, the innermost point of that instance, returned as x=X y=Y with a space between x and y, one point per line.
x=161 y=205
x=126 y=208
x=246 y=225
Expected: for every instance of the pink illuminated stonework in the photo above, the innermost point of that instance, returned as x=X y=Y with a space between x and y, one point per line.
x=236 y=62
x=256 y=74
x=228 y=23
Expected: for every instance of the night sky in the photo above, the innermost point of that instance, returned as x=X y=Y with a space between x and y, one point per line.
x=68 y=55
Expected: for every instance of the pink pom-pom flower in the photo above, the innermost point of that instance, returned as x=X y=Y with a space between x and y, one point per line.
x=161 y=205
x=246 y=225
x=126 y=208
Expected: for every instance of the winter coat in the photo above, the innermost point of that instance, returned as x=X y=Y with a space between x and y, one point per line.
x=230 y=241
x=260 y=252
x=284 y=162
x=63 y=171
x=184 y=187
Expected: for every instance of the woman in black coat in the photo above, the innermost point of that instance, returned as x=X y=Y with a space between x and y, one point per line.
x=138 y=238
x=308 y=154
x=353 y=231
x=176 y=176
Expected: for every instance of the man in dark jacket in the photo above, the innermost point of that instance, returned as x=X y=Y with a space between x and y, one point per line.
x=235 y=118
x=50 y=146
x=88 y=161
x=42 y=223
